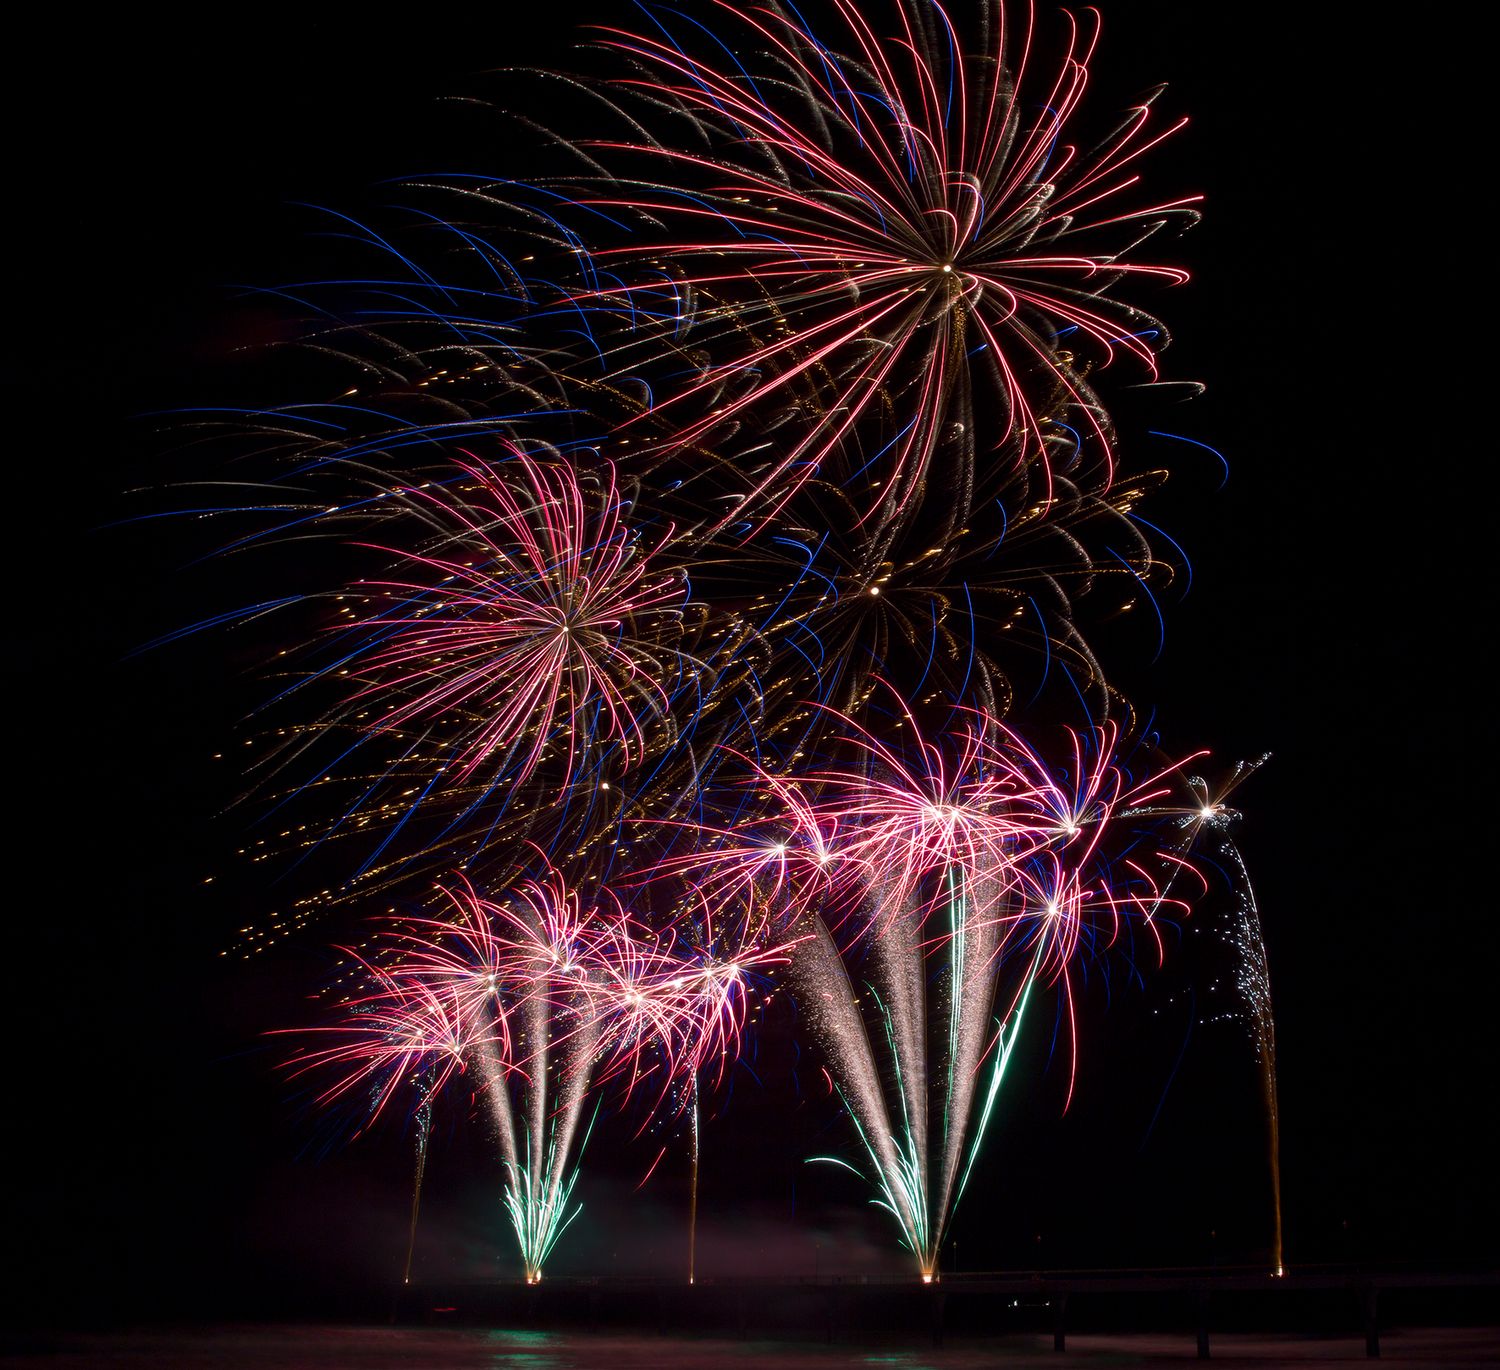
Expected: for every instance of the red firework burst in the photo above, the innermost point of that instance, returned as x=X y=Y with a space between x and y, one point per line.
x=890 y=217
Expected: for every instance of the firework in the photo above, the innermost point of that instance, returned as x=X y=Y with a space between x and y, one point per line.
x=1205 y=821
x=818 y=430
x=520 y=648
x=906 y=223
x=541 y=1001
x=522 y=622
x=394 y=1034
x=950 y=877
x=551 y=953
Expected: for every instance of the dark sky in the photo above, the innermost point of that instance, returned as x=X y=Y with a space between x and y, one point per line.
x=1338 y=619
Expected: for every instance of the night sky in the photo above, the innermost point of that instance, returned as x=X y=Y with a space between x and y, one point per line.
x=1339 y=617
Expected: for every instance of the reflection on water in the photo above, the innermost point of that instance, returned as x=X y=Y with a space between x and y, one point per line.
x=462 y=1348
x=526 y=1350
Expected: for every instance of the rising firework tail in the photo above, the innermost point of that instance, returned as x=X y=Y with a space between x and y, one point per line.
x=1206 y=824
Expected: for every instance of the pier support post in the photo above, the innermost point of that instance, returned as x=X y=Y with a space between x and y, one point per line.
x=939 y=1297
x=1369 y=1298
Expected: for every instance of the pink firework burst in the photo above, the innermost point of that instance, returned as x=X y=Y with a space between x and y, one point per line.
x=916 y=823
x=722 y=950
x=899 y=223
x=775 y=851
x=537 y=619
x=401 y=1031
x=969 y=828
x=619 y=1002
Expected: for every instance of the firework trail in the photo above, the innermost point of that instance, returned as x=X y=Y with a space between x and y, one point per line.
x=422 y=1120
x=1254 y=984
x=604 y=1001
x=1252 y=969
x=1205 y=821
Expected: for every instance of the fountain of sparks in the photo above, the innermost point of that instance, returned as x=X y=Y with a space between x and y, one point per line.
x=929 y=890
x=547 y=1002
